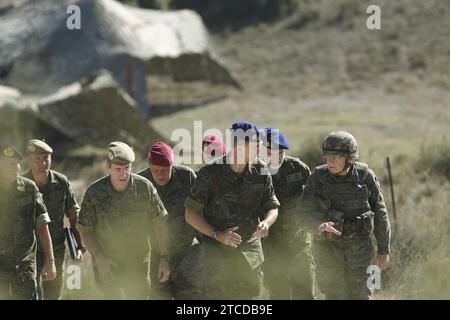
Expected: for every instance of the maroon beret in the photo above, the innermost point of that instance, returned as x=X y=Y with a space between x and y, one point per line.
x=217 y=144
x=161 y=154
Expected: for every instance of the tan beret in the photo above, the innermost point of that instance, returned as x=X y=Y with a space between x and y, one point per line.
x=120 y=153
x=36 y=146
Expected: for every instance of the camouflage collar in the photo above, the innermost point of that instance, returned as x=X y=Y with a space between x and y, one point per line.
x=20 y=185
x=51 y=177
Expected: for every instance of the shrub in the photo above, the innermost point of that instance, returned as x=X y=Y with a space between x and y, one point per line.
x=310 y=152
x=435 y=159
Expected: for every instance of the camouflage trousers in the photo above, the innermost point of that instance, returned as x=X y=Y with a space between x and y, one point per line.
x=229 y=275
x=130 y=282
x=288 y=274
x=50 y=290
x=185 y=277
x=16 y=285
x=342 y=268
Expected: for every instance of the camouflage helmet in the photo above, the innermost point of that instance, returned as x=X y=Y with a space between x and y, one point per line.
x=340 y=143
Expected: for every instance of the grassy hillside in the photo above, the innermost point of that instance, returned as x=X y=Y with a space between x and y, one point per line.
x=386 y=86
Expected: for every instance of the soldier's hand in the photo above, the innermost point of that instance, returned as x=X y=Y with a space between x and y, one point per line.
x=48 y=271
x=262 y=230
x=164 y=271
x=79 y=257
x=229 y=237
x=328 y=227
x=383 y=261
x=103 y=266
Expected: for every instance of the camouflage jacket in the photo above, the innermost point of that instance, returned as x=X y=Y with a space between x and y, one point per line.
x=173 y=196
x=288 y=183
x=22 y=212
x=60 y=201
x=245 y=196
x=121 y=222
x=353 y=195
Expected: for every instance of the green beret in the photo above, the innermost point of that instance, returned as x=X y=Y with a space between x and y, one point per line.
x=36 y=146
x=120 y=153
x=9 y=152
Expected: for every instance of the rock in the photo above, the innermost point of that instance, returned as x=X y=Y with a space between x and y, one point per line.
x=39 y=54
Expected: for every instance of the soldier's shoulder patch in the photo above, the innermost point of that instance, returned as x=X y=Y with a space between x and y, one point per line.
x=257 y=187
x=294 y=177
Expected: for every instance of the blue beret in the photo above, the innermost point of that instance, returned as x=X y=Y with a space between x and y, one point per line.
x=273 y=138
x=245 y=127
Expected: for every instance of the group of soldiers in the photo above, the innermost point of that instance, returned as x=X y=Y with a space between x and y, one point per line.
x=250 y=217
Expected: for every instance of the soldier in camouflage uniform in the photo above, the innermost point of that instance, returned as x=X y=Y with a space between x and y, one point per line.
x=60 y=202
x=288 y=263
x=344 y=202
x=118 y=214
x=173 y=183
x=22 y=214
x=224 y=204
